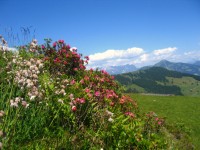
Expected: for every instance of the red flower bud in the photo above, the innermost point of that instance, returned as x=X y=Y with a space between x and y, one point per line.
x=112 y=104
x=74 y=108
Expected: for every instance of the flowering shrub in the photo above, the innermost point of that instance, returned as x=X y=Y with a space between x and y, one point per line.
x=60 y=104
x=62 y=59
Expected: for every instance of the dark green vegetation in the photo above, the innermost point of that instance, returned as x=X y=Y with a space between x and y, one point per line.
x=161 y=81
x=181 y=111
x=180 y=67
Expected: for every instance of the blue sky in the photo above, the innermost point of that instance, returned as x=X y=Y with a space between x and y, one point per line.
x=111 y=32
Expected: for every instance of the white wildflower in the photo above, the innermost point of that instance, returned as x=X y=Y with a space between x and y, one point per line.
x=28 y=63
x=60 y=101
x=109 y=113
x=35 y=76
x=110 y=119
x=32 y=98
x=41 y=66
x=17 y=99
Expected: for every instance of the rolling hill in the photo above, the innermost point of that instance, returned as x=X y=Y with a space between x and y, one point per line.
x=161 y=81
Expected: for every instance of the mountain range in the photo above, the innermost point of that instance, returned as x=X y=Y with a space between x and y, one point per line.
x=193 y=69
x=180 y=67
x=197 y=63
x=119 y=69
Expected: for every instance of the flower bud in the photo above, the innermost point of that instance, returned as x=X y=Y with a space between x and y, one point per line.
x=74 y=108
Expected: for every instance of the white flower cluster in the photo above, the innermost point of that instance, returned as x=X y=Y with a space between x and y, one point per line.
x=27 y=74
x=3 y=44
x=17 y=100
x=110 y=115
x=33 y=46
x=61 y=85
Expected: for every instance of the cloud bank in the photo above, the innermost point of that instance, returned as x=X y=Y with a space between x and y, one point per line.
x=139 y=57
x=113 y=57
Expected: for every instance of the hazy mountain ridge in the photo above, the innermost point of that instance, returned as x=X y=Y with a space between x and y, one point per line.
x=197 y=63
x=180 y=67
x=119 y=69
x=193 y=69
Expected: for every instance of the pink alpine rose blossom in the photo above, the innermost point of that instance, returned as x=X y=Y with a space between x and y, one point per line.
x=97 y=93
x=43 y=47
x=68 y=46
x=61 y=41
x=87 y=90
x=75 y=69
x=72 y=82
x=54 y=44
x=82 y=100
x=132 y=115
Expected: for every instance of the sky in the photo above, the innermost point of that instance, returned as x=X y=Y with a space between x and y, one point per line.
x=110 y=32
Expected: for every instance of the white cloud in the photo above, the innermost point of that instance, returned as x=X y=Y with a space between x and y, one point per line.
x=164 y=51
x=144 y=57
x=139 y=58
x=114 y=54
x=191 y=55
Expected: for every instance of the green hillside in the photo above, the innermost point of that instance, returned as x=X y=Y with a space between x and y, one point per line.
x=160 y=81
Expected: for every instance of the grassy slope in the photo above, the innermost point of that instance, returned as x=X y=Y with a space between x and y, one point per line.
x=176 y=109
x=189 y=86
x=160 y=80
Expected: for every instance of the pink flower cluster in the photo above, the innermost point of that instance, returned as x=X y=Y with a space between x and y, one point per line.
x=132 y=115
x=159 y=121
x=62 y=58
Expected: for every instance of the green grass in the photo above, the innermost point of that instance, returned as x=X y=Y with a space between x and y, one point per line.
x=135 y=87
x=189 y=86
x=176 y=109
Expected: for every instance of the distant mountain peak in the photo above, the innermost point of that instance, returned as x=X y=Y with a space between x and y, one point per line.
x=164 y=60
x=119 y=69
x=180 y=67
